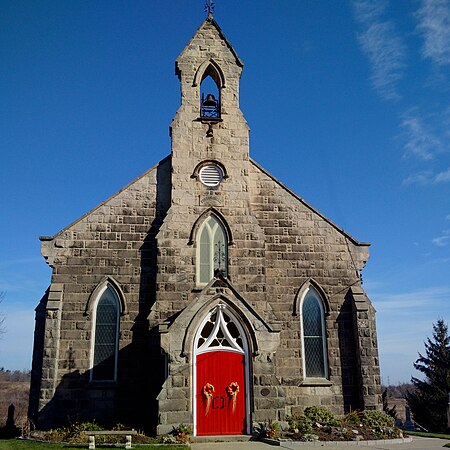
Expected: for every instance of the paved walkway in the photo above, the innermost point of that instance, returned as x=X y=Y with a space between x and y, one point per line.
x=417 y=443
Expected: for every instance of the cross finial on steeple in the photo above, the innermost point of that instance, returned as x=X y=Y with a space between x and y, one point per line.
x=209 y=7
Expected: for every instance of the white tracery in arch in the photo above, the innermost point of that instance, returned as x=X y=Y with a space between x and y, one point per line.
x=220 y=331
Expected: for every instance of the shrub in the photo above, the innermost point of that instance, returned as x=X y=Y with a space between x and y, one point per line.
x=373 y=418
x=267 y=429
x=273 y=429
x=353 y=418
x=300 y=423
x=182 y=432
x=370 y=418
x=321 y=415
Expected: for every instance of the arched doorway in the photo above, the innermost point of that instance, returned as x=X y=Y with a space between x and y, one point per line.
x=221 y=375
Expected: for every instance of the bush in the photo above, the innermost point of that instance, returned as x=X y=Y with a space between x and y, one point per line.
x=182 y=433
x=373 y=418
x=370 y=418
x=321 y=415
x=301 y=423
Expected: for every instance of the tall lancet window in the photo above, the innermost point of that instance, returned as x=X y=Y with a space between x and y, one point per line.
x=313 y=334
x=212 y=250
x=209 y=98
x=105 y=336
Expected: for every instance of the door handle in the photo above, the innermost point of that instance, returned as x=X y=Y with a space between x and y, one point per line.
x=219 y=402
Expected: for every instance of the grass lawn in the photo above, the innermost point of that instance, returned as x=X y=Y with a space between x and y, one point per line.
x=16 y=444
x=429 y=435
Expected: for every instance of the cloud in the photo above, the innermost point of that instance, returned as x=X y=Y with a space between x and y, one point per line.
x=420 y=139
x=443 y=177
x=422 y=178
x=382 y=45
x=427 y=177
x=443 y=240
x=412 y=302
x=434 y=25
x=447 y=217
x=404 y=320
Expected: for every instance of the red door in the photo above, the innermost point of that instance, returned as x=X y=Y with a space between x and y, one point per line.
x=220 y=393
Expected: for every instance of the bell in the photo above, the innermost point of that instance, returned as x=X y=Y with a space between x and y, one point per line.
x=210 y=102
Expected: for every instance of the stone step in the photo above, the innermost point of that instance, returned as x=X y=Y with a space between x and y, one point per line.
x=220 y=438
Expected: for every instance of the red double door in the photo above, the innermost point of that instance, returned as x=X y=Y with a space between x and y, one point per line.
x=221 y=393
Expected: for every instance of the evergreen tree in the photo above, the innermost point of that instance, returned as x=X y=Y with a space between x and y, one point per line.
x=428 y=400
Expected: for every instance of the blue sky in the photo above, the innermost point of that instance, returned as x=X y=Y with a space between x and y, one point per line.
x=348 y=104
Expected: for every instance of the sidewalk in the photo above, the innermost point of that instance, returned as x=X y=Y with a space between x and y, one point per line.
x=418 y=443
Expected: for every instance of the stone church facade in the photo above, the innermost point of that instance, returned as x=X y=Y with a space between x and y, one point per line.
x=205 y=292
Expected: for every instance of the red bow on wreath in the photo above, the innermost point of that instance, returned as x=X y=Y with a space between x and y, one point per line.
x=232 y=391
x=208 y=391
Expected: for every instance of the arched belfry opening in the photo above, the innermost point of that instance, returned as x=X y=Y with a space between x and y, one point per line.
x=211 y=85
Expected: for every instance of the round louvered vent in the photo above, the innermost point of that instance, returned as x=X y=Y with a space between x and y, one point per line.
x=211 y=175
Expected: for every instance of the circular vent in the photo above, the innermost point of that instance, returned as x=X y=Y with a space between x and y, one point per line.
x=211 y=175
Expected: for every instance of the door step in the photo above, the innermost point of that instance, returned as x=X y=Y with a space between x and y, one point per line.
x=221 y=438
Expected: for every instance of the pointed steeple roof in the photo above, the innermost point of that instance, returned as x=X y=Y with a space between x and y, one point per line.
x=209 y=25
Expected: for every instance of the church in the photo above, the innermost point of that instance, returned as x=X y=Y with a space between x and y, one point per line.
x=205 y=292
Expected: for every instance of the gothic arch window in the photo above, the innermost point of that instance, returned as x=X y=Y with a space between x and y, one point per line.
x=105 y=335
x=212 y=250
x=313 y=335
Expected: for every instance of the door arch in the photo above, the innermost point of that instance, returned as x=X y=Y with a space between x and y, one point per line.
x=221 y=375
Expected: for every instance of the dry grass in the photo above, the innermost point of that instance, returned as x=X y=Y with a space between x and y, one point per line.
x=16 y=393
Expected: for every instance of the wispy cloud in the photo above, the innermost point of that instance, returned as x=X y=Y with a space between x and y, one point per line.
x=428 y=177
x=422 y=178
x=420 y=139
x=434 y=25
x=443 y=240
x=443 y=177
x=382 y=45
x=411 y=302
x=404 y=320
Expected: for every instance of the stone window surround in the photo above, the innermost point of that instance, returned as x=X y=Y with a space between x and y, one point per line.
x=307 y=287
x=91 y=307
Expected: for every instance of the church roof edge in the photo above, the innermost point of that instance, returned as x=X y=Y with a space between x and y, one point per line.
x=349 y=236
x=50 y=238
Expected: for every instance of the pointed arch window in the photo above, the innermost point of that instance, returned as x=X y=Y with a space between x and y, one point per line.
x=105 y=336
x=212 y=250
x=313 y=335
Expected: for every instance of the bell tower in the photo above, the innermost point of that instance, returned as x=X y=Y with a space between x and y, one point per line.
x=209 y=126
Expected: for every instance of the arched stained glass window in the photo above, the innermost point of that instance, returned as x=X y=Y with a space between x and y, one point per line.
x=105 y=336
x=313 y=333
x=212 y=251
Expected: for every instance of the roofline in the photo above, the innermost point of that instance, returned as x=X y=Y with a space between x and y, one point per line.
x=350 y=237
x=222 y=35
x=50 y=238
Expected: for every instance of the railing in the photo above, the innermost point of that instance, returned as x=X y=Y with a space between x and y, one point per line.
x=210 y=112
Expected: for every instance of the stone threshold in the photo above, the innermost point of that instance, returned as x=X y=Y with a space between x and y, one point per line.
x=295 y=444
x=221 y=438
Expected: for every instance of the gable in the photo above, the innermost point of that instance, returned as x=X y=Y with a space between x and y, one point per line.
x=126 y=215
x=281 y=211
